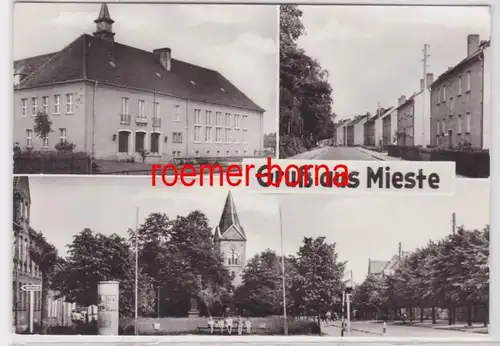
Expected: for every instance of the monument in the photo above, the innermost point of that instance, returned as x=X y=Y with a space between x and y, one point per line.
x=107 y=311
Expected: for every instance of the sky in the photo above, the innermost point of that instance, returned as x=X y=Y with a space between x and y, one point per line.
x=363 y=227
x=374 y=53
x=238 y=41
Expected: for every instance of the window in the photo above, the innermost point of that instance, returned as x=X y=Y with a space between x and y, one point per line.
x=244 y=128
x=208 y=153
x=227 y=130
x=197 y=125
x=176 y=113
x=459 y=120
x=57 y=104
x=45 y=102
x=125 y=106
x=69 y=103
x=24 y=107
x=443 y=127
x=45 y=142
x=438 y=131
x=123 y=141
x=467 y=82
x=438 y=94
x=141 y=109
x=140 y=142
x=62 y=136
x=197 y=153
x=176 y=153
x=157 y=109
x=232 y=259
x=467 y=122
x=459 y=85
x=176 y=137
x=208 y=126
x=218 y=127
x=34 y=106
x=227 y=152
x=236 y=128
x=444 y=93
x=155 y=143
x=29 y=138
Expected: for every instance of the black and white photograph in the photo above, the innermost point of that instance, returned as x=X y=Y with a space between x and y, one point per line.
x=389 y=83
x=114 y=256
x=122 y=86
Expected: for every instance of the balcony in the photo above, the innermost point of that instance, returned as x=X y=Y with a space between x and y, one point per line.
x=141 y=120
x=124 y=119
x=156 y=122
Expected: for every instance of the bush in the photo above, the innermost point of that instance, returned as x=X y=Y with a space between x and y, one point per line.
x=53 y=162
x=67 y=147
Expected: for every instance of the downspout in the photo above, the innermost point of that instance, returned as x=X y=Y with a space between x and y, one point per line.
x=93 y=128
x=482 y=101
x=187 y=128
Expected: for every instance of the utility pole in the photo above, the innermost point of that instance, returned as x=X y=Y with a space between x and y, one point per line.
x=400 y=250
x=424 y=60
x=453 y=223
x=380 y=128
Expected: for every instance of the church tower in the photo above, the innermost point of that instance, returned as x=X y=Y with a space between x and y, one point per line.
x=104 y=24
x=231 y=240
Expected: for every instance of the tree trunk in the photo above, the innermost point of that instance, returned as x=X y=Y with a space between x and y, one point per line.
x=421 y=314
x=469 y=315
x=44 y=310
x=450 y=315
x=433 y=315
x=454 y=315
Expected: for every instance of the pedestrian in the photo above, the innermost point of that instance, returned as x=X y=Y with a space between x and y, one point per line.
x=221 y=325
x=229 y=323
x=248 y=325
x=211 y=324
x=240 y=325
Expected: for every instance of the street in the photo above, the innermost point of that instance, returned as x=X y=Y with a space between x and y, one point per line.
x=370 y=329
x=336 y=153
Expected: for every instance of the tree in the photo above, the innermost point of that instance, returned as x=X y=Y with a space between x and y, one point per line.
x=43 y=125
x=94 y=257
x=319 y=277
x=270 y=140
x=305 y=93
x=369 y=296
x=45 y=256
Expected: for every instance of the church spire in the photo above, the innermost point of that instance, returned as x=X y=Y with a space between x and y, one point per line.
x=104 y=24
x=229 y=217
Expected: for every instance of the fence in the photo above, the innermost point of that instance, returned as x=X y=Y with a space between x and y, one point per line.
x=52 y=162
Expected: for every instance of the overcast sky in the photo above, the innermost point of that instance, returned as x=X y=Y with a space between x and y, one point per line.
x=374 y=53
x=363 y=227
x=238 y=41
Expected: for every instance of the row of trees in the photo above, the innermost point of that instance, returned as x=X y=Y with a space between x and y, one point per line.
x=178 y=261
x=305 y=113
x=451 y=273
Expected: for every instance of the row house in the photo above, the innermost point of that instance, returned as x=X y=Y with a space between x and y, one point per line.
x=413 y=116
x=389 y=120
x=359 y=135
x=461 y=100
x=25 y=270
x=349 y=132
x=373 y=130
x=116 y=101
x=340 y=132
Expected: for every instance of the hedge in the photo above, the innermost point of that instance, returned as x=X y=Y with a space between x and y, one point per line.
x=53 y=162
x=469 y=163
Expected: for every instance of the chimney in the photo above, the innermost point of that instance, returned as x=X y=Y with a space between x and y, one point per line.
x=164 y=55
x=472 y=44
x=422 y=84
x=401 y=100
x=430 y=79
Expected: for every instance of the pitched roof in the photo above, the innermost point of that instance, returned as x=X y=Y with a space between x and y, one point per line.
x=229 y=218
x=90 y=58
x=463 y=62
x=376 y=267
x=104 y=15
x=28 y=65
x=387 y=112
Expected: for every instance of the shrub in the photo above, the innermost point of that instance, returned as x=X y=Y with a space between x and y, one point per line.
x=53 y=162
x=65 y=146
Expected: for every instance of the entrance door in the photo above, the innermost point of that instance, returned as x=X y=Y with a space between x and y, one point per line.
x=450 y=138
x=123 y=142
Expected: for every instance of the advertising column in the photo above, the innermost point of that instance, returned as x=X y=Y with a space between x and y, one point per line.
x=108 y=319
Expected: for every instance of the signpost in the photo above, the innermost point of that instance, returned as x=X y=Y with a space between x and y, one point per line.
x=32 y=289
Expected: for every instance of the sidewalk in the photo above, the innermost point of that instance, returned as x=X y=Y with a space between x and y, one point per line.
x=441 y=325
x=309 y=155
x=382 y=156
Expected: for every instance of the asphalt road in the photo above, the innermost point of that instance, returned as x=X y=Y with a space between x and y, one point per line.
x=335 y=153
x=368 y=329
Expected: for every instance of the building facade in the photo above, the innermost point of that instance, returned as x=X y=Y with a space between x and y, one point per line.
x=340 y=131
x=230 y=238
x=115 y=101
x=458 y=110
x=369 y=132
x=389 y=121
x=359 y=133
x=25 y=270
x=405 y=114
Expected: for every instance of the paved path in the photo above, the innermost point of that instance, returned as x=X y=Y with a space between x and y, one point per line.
x=335 y=153
x=370 y=329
